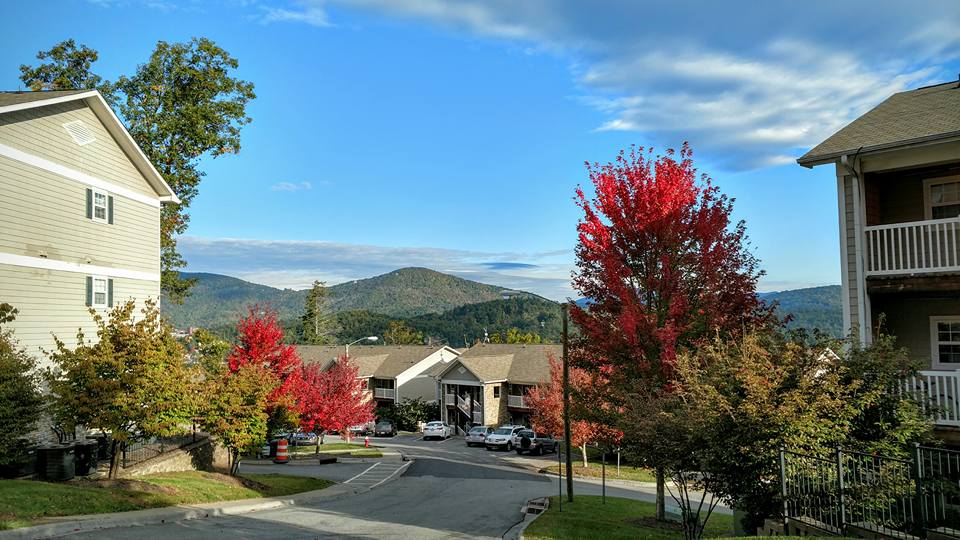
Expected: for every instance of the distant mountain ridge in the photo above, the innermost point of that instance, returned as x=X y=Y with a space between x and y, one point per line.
x=812 y=307
x=218 y=300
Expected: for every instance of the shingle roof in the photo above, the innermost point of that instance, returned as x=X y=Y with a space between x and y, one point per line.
x=373 y=360
x=919 y=115
x=16 y=98
x=527 y=364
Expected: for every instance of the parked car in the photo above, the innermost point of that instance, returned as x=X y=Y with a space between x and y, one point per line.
x=535 y=443
x=384 y=429
x=437 y=430
x=502 y=438
x=478 y=434
x=361 y=429
x=304 y=439
x=516 y=434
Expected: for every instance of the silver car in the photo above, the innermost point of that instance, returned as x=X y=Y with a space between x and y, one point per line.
x=478 y=435
x=502 y=438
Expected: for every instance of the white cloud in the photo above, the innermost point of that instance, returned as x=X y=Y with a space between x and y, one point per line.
x=746 y=83
x=290 y=186
x=314 y=15
x=296 y=264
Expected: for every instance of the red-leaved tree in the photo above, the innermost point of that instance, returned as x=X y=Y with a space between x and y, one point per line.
x=260 y=342
x=546 y=401
x=334 y=399
x=664 y=267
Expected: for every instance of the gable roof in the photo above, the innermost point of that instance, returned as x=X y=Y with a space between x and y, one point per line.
x=521 y=364
x=17 y=101
x=381 y=361
x=915 y=116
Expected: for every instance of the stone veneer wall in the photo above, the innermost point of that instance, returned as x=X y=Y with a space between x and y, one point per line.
x=495 y=409
x=203 y=455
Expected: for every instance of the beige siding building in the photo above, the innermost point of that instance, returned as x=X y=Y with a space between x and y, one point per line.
x=898 y=191
x=488 y=384
x=79 y=215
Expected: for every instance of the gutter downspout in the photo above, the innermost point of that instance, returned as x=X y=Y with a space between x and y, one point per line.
x=864 y=314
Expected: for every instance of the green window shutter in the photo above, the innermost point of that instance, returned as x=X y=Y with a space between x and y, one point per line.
x=109 y=293
x=110 y=210
x=89 y=203
x=89 y=287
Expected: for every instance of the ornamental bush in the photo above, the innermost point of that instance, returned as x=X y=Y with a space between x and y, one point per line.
x=21 y=403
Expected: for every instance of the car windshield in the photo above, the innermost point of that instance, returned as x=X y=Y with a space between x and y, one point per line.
x=383 y=424
x=477 y=430
x=504 y=431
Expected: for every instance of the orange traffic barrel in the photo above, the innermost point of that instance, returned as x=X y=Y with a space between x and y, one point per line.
x=282 y=456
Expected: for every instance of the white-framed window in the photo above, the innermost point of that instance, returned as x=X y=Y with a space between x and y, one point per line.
x=945 y=342
x=100 y=292
x=942 y=197
x=100 y=206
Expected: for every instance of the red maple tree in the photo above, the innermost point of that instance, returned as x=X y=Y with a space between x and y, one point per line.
x=260 y=342
x=663 y=267
x=546 y=401
x=333 y=399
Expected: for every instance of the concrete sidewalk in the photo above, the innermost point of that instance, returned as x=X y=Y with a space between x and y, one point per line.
x=65 y=525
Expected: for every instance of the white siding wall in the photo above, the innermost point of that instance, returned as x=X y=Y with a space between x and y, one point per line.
x=39 y=131
x=52 y=302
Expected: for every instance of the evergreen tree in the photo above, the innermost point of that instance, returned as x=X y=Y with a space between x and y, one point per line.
x=320 y=325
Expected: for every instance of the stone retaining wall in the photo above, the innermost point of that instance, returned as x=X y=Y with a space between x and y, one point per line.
x=203 y=455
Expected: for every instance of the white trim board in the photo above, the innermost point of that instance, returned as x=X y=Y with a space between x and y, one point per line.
x=64 y=266
x=83 y=178
x=47 y=101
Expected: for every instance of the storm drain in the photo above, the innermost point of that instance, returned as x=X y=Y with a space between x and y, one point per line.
x=535 y=506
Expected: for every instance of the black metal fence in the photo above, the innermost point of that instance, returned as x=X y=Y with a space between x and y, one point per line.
x=841 y=489
x=141 y=450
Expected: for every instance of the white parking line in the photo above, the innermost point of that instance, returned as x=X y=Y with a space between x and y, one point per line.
x=368 y=469
x=407 y=464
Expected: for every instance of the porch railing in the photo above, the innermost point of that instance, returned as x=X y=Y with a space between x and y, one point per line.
x=519 y=402
x=912 y=248
x=477 y=417
x=938 y=392
x=449 y=399
x=385 y=393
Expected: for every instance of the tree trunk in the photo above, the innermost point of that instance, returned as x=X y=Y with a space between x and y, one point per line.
x=661 y=499
x=234 y=461
x=583 y=452
x=115 y=455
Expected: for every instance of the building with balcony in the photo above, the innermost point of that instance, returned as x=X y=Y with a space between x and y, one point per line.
x=488 y=383
x=391 y=372
x=898 y=191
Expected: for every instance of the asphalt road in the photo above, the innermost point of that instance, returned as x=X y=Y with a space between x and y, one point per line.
x=449 y=491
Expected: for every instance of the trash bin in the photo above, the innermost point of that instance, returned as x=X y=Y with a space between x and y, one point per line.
x=86 y=457
x=56 y=462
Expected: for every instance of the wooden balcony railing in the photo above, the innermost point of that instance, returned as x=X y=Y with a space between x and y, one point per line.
x=913 y=248
x=519 y=402
x=385 y=393
x=938 y=392
x=449 y=399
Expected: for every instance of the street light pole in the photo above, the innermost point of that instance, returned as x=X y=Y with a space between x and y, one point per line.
x=566 y=407
x=368 y=338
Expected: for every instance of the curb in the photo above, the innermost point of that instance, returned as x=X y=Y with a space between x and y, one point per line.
x=516 y=532
x=156 y=516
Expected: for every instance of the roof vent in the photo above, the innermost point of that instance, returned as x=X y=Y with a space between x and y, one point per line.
x=79 y=132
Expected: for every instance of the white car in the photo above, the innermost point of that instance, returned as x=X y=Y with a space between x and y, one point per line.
x=478 y=435
x=515 y=439
x=437 y=429
x=502 y=438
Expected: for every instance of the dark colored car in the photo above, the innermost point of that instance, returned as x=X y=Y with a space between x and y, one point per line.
x=384 y=429
x=535 y=444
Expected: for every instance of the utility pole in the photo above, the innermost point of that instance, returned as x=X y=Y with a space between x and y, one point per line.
x=566 y=407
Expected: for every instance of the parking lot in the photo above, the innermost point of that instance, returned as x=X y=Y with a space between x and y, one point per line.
x=455 y=449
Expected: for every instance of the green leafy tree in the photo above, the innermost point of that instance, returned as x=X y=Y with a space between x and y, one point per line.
x=66 y=66
x=235 y=411
x=209 y=351
x=398 y=333
x=409 y=412
x=20 y=399
x=181 y=105
x=319 y=324
x=132 y=382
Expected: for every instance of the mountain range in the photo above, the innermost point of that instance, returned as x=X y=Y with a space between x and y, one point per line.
x=442 y=306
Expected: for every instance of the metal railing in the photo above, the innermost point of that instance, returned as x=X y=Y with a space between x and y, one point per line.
x=477 y=417
x=385 y=393
x=139 y=451
x=915 y=247
x=518 y=401
x=449 y=399
x=843 y=490
x=938 y=393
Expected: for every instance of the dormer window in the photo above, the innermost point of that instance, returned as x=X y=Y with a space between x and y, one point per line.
x=942 y=196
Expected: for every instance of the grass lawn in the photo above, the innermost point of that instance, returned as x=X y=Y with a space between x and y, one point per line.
x=328 y=447
x=595 y=470
x=620 y=518
x=27 y=502
x=367 y=452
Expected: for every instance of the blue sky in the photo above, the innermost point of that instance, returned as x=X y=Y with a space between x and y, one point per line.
x=390 y=133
